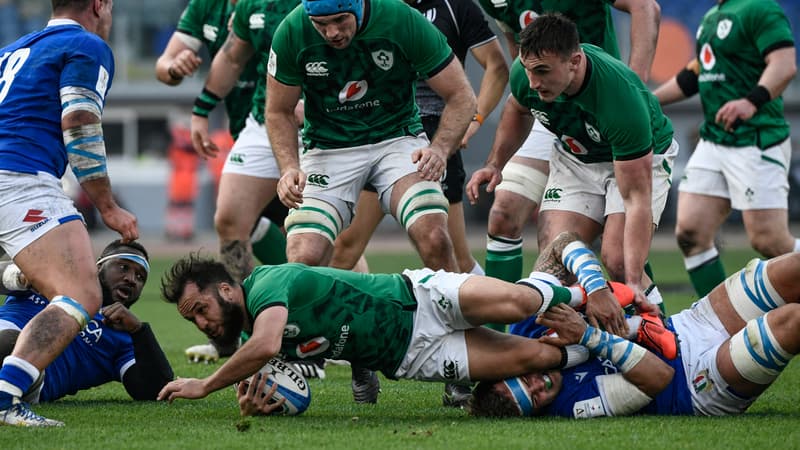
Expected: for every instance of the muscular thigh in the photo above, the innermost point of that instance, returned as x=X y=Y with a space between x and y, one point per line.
x=251 y=154
x=241 y=198
x=61 y=262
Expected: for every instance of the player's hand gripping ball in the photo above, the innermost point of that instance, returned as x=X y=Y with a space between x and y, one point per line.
x=292 y=386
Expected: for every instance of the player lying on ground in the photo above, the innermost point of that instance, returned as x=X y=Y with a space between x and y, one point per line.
x=114 y=346
x=421 y=324
x=733 y=344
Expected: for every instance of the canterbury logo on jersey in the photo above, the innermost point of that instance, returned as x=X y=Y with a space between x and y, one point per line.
x=318 y=179
x=431 y=15
x=553 y=194
x=541 y=116
x=210 y=32
x=450 y=370
x=499 y=3
x=353 y=91
x=317 y=69
x=257 y=21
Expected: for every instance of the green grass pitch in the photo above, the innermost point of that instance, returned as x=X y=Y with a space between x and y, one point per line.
x=408 y=415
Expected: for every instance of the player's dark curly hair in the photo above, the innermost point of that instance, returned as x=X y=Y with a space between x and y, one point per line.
x=552 y=33
x=115 y=246
x=487 y=402
x=202 y=271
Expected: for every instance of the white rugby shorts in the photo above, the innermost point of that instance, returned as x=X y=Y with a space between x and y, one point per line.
x=437 y=350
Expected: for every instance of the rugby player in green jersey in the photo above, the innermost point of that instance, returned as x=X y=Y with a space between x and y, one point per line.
x=745 y=59
x=525 y=175
x=242 y=232
x=610 y=172
x=421 y=324
x=356 y=64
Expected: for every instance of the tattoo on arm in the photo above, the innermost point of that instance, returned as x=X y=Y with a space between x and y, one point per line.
x=549 y=260
x=237 y=258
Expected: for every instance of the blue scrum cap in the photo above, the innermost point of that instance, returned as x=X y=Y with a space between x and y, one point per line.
x=328 y=7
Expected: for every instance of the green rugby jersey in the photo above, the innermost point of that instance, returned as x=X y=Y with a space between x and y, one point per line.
x=614 y=116
x=255 y=22
x=592 y=17
x=362 y=94
x=366 y=319
x=207 y=20
x=732 y=40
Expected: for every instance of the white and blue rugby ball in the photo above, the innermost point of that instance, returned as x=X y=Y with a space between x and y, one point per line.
x=292 y=386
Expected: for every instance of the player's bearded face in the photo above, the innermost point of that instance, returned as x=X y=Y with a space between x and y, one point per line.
x=232 y=320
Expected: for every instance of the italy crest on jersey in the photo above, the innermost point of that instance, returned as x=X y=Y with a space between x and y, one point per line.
x=384 y=59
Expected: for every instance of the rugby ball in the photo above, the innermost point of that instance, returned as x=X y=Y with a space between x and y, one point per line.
x=292 y=386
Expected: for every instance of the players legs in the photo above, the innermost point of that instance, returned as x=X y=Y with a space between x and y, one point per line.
x=60 y=265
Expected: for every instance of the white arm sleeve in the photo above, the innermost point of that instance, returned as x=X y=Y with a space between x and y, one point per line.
x=620 y=396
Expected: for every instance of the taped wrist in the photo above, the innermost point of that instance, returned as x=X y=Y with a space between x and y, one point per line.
x=572 y=355
x=205 y=103
x=582 y=262
x=622 y=353
x=86 y=151
x=12 y=280
x=758 y=96
x=687 y=82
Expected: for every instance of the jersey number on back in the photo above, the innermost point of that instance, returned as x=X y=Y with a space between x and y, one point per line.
x=10 y=64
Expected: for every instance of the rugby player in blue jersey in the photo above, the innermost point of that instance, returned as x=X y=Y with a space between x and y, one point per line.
x=114 y=346
x=733 y=344
x=53 y=85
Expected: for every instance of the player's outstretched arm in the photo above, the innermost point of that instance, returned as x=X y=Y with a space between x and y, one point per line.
x=642 y=374
x=645 y=19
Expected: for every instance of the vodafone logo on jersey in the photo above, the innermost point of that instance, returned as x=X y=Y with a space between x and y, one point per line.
x=527 y=17
x=313 y=347
x=353 y=91
x=707 y=58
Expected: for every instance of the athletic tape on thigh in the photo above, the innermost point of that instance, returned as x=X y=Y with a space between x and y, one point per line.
x=520 y=396
x=421 y=199
x=751 y=292
x=523 y=180
x=755 y=353
x=73 y=308
x=314 y=216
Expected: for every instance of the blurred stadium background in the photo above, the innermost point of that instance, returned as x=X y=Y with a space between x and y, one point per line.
x=141 y=112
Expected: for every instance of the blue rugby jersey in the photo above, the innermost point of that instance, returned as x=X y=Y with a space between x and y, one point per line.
x=98 y=355
x=579 y=385
x=33 y=70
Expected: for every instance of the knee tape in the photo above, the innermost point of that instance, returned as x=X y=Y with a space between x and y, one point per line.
x=421 y=199
x=314 y=216
x=523 y=180
x=755 y=353
x=72 y=308
x=751 y=292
